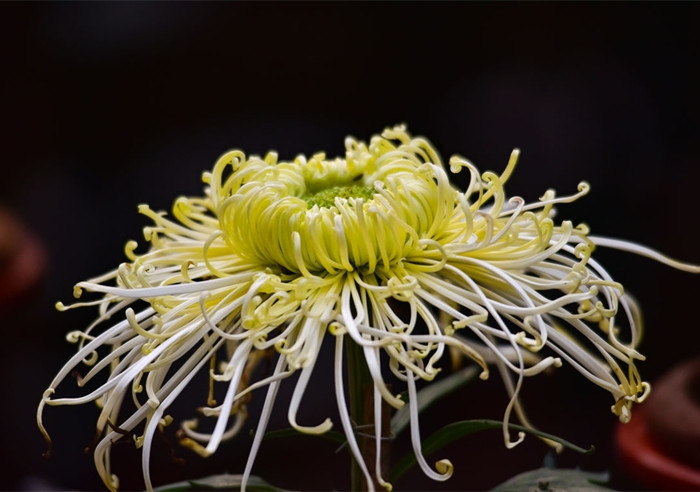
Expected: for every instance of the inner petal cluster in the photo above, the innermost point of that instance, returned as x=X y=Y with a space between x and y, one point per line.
x=368 y=211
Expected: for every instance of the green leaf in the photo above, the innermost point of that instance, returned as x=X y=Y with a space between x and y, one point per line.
x=552 y=479
x=338 y=437
x=220 y=482
x=430 y=394
x=456 y=430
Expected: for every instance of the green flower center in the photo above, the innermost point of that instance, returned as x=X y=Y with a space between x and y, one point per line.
x=326 y=197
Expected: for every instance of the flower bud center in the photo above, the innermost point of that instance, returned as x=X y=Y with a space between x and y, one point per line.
x=325 y=198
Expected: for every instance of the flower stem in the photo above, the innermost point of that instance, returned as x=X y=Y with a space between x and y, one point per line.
x=361 y=389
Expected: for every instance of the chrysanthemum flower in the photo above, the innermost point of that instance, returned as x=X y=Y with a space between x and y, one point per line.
x=376 y=249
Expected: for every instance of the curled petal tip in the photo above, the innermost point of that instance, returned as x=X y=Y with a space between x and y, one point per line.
x=445 y=468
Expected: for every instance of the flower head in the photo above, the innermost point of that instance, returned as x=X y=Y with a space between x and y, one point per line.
x=376 y=249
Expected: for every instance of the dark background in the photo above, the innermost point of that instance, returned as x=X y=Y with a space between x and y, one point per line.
x=108 y=105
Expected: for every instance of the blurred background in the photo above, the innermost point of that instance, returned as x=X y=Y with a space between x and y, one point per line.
x=107 y=105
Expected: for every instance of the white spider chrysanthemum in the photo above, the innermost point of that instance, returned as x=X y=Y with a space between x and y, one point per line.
x=376 y=249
